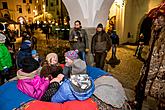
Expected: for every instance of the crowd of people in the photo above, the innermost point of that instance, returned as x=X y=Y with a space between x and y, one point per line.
x=48 y=83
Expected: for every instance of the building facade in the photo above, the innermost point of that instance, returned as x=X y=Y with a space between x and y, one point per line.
x=18 y=10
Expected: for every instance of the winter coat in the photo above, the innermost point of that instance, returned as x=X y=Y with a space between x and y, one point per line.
x=52 y=71
x=81 y=42
x=34 y=87
x=155 y=85
x=88 y=104
x=100 y=42
x=114 y=38
x=25 y=51
x=11 y=97
x=67 y=92
x=5 y=58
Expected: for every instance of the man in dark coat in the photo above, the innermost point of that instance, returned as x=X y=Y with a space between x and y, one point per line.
x=79 y=40
x=115 y=41
x=100 y=46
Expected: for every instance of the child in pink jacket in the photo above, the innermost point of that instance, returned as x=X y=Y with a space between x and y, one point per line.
x=29 y=82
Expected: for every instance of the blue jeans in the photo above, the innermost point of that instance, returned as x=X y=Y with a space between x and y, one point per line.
x=82 y=55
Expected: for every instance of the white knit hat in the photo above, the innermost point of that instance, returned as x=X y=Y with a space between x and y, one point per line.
x=2 y=38
x=50 y=56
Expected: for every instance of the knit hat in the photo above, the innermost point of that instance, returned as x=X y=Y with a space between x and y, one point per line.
x=29 y=64
x=99 y=25
x=72 y=54
x=50 y=56
x=28 y=42
x=2 y=38
x=1 y=26
x=78 y=66
x=34 y=52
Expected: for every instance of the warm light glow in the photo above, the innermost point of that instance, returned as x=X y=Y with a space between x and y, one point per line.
x=37 y=1
x=65 y=23
x=21 y=20
x=44 y=21
x=119 y=2
x=56 y=24
x=43 y=7
x=35 y=12
x=38 y=22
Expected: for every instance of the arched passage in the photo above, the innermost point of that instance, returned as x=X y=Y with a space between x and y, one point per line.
x=89 y=12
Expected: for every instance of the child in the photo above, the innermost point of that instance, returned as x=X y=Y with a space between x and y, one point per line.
x=78 y=85
x=70 y=56
x=29 y=82
x=35 y=56
x=5 y=60
x=53 y=70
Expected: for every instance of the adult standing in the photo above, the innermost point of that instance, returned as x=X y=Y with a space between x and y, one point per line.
x=115 y=41
x=153 y=71
x=140 y=46
x=5 y=60
x=79 y=40
x=100 y=46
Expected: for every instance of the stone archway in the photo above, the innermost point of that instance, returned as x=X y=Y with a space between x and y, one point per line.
x=89 y=12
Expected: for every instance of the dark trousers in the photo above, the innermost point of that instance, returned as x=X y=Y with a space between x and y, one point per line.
x=139 y=50
x=100 y=59
x=4 y=76
x=114 y=46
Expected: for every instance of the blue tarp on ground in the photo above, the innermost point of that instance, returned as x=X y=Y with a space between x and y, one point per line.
x=95 y=73
x=11 y=97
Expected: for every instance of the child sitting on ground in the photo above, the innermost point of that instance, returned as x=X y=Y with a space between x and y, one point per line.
x=53 y=70
x=77 y=84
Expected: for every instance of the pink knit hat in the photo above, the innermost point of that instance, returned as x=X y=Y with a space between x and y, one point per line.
x=72 y=54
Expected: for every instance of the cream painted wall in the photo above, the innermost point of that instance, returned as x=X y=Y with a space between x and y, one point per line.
x=134 y=12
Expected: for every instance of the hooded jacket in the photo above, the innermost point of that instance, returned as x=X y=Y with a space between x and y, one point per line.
x=31 y=84
x=5 y=58
x=25 y=51
x=100 y=42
